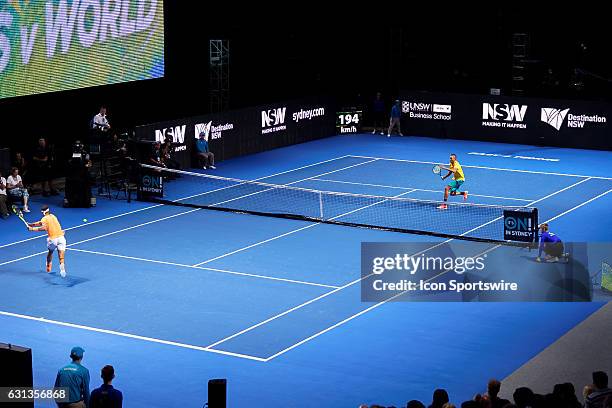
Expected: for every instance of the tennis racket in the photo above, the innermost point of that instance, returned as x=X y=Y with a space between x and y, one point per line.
x=437 y=170
x=19 y=214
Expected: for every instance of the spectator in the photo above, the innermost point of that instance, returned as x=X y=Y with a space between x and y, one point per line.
x=493 y=388
x=440 y=397
x=470 y=404
x=41 y=161
x=415 y=404
x=378 y=114
x=166 y=155
x=21 y=164
x=448 y=405
x=600 y=393
x=523 y=397
x=156 y=155
x=587 y=390
x=395 y=118
x=205 y=156
x=3 y=198
x=100 y=121
x=75 y=377
x=14 y=185
x=106 y=396
x=564 y=396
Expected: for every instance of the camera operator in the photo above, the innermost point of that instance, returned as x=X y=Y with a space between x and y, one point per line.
x=78 y=181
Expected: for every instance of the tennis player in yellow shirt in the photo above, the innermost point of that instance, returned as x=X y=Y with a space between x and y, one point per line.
x=55 y=239
x=452 y=188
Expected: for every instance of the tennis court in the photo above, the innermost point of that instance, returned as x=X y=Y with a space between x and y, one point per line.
x=250 y=298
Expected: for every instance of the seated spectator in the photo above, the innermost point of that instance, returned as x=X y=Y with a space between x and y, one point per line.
x=3 y=198
x=106 y=396
x=493 y=388
x=167 y=150
x=564 y=395
x=16 y=190
x=21 y=165
x=75 y=377
x=587 y=390
x=523 y=397
x=205 y=156
x=600 y=393
x=41 y=166
x=155 y=159
x=415 y=404
x=440 y=397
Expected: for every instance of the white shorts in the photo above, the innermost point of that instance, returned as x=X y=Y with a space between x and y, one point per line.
x=56 y=243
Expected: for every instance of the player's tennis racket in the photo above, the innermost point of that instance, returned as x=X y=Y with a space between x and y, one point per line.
x=19 y=214
x=436 y=170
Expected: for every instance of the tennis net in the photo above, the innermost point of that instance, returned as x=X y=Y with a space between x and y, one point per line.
x=470 y=221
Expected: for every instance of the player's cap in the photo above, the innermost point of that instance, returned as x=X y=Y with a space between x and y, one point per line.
x=44 y=208
x=77 y=352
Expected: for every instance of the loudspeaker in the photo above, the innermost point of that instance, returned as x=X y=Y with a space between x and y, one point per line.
x=217 y=393
x=16 y=366
x=16 y=363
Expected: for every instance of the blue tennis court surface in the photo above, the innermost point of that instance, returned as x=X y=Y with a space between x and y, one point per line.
x=174 y=296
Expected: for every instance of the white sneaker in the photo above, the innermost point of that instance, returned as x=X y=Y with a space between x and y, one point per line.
x=374 y=132
x=62 y=271
x=212 y=167
x=382 y=133
x=26 y=210
x=388 y=135
x=553 y=259
x=401 y=134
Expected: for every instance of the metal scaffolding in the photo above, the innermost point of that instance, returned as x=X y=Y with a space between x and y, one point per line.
x=219 y=75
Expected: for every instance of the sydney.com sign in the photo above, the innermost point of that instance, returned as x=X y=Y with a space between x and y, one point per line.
x=48 y=46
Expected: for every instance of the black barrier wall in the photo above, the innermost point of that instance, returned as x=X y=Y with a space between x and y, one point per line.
x=246 y=131
x=531 y=121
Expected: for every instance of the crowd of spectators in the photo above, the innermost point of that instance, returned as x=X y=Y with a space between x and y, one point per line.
x=595 y=395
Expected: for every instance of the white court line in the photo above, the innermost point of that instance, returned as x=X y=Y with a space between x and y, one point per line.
x=252 y=275
x=179 y=199
x=530 y=204
x=294 y=182
x=416 y=189
x=131 y=336
x=485 y=168
x=103 y=235
x=359 y=280
x=359 y=314
x=294 y=231
x=308 y=301
x=174 y=215
x=578 y=206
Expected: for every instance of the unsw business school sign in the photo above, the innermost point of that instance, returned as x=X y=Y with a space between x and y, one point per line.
x=500 y=118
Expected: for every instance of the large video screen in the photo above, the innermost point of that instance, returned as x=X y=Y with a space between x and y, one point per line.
x=56 y=45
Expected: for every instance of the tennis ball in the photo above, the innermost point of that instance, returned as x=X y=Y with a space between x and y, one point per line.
x=84 y=219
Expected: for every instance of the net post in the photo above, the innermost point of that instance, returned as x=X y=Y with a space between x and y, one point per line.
x=321 y=204
x=536 y=227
